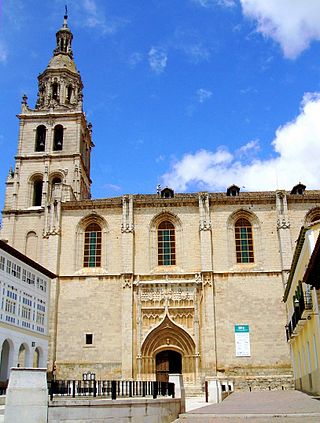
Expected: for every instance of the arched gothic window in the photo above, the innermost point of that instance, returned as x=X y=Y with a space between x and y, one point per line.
x=40 y=138
x=55 y=186
x=312 y=216
x=92 y=246
x=69 y=93
x=166 y=244
x=55 y=91
x=31 y=245
x=37 y=192
x=244 y=241
x=58 y=138
x=56 y=181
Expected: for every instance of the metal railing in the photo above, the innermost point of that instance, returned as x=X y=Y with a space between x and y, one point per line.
x=112 y=389
x=3 y=387
x=304 y=304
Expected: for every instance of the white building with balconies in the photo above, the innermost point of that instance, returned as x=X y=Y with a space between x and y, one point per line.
x=24 y=307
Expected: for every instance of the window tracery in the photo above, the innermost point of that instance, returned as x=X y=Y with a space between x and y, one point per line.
x=244 y=241
x=166 y=244
x=92 y=246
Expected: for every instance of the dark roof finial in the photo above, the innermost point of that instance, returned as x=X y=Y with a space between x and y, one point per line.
x=65 y=18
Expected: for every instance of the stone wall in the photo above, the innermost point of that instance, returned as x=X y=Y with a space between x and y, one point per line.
x=113 y=411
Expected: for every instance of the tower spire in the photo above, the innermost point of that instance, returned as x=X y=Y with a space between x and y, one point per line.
x=64 y=37
x=65 y=18
x=60 y=84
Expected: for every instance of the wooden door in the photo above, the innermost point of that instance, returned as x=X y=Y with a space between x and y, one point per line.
x=162 y=366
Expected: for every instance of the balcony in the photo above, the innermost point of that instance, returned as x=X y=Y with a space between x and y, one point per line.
x=302 y=311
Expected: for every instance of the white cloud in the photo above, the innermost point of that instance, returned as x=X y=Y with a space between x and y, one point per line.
x=196 y=52
x=157 y=59
x=294 y=24
x=95 y=18
x=112 y=187
x=158 y=159
x=90 y=6
x=291 y=23
x=134 y=59
x=191 y=43
x=3 y=53
x=211 y=3
x=203 y=95
x=15 y=13
x=296 y=158
x=251 y=146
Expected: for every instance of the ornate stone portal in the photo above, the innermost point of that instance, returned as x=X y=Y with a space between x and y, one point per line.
x=167 y=320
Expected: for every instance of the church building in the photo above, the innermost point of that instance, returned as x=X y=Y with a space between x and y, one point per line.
x=148 y=285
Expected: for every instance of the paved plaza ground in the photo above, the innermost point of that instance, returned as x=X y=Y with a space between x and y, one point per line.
x=258 y=406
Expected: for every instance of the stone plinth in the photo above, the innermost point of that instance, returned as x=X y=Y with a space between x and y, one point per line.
x=27 y=396
x=179 y=391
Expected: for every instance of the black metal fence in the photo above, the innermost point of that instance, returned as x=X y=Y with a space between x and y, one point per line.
x=3 y=387
x=109 y=388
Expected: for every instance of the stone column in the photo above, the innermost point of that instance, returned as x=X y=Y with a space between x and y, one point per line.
x=283 y=227
x=179 y=391
x=207 y=310
x=127 y=230
x=127 y=236
x=208 y=335
x=205 y=233
x=139 y=330
x=127 y=333
x=214 y=390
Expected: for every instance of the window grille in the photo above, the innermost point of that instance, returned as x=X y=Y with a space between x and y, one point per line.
x=92 y=246
x=244 y=241
x=166 y=244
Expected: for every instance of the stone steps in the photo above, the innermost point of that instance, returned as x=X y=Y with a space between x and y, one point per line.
x=193 y=391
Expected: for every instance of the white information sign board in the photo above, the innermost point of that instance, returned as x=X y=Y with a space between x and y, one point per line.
x=242 y=340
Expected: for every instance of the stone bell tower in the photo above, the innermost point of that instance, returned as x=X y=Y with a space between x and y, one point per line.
x=52 y=164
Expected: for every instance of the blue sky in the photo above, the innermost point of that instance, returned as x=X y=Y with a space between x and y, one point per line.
x=194 y=94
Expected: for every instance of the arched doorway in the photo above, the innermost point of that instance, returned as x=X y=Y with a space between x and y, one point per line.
x=5 y=357
x=36 y=358
x=23 y=357
x=167 y=362
x=168 y=345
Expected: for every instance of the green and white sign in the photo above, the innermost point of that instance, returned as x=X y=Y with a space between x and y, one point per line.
x=241 y=328
x=242 y=340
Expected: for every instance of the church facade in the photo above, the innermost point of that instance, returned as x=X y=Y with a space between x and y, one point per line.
x=148 y=285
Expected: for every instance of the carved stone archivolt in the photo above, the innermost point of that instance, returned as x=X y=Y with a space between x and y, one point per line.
x=167 y=335
x=156 y=300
